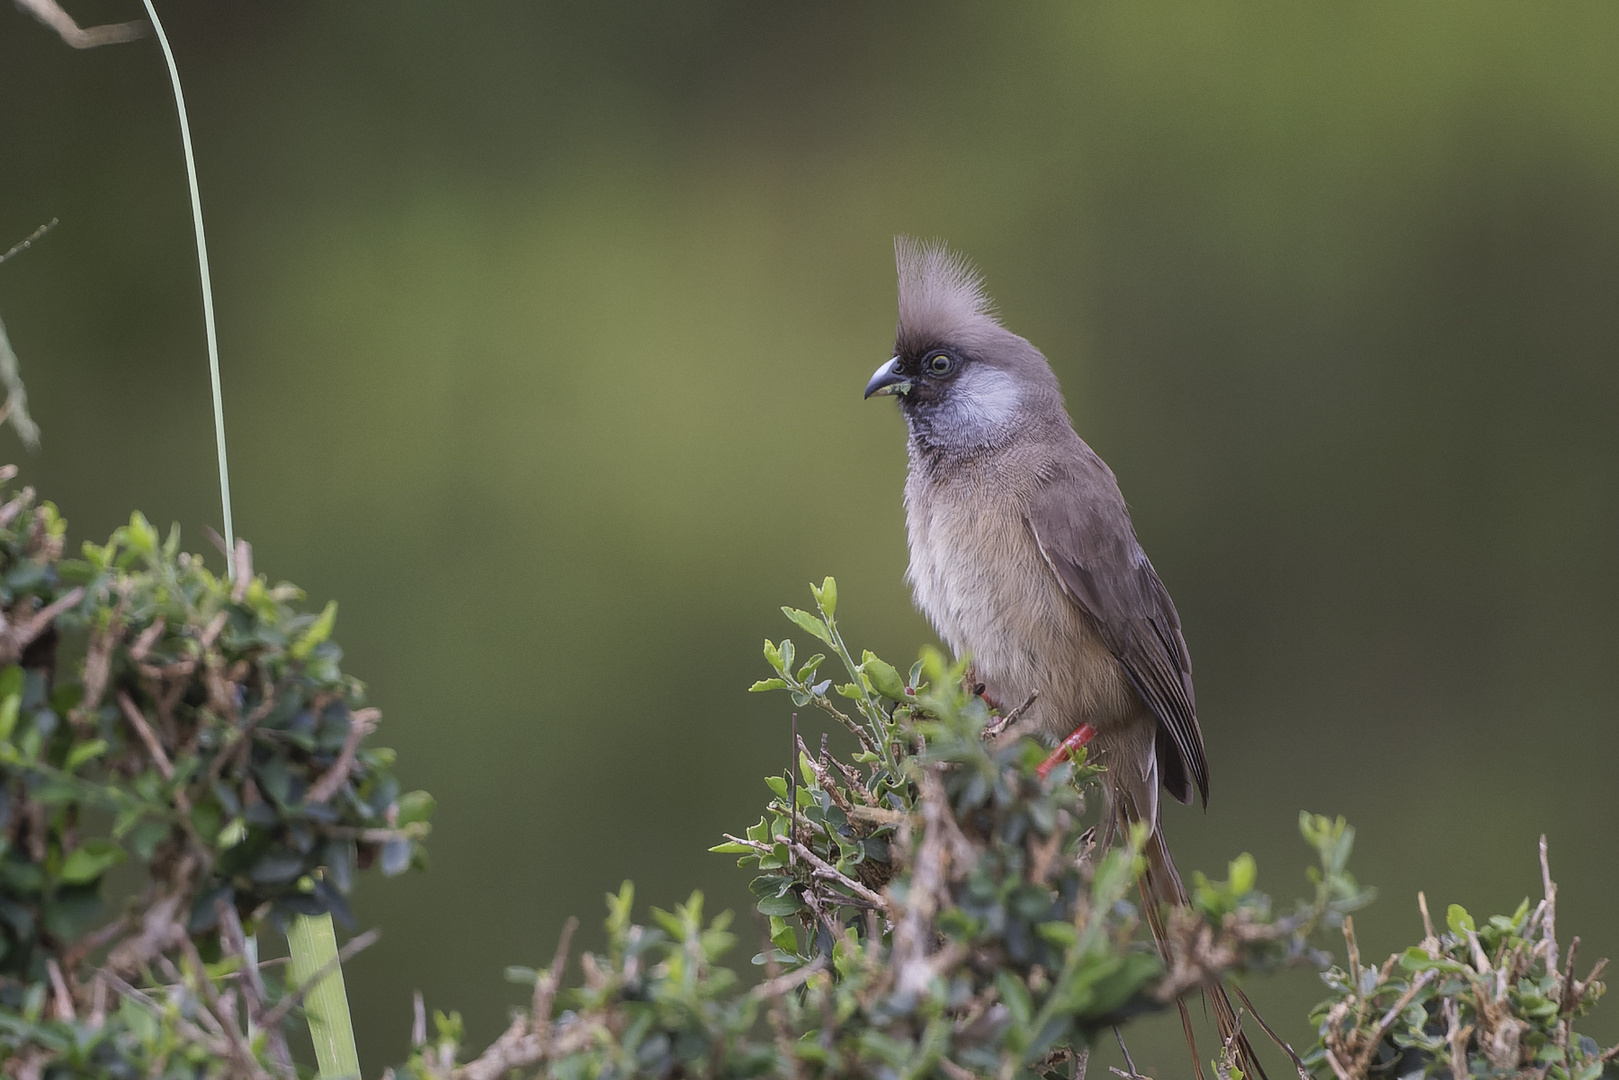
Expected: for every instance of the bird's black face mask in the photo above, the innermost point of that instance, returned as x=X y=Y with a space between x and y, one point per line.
x=916 y=378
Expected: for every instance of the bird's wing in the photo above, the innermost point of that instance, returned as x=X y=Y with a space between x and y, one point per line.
x=1084 y=531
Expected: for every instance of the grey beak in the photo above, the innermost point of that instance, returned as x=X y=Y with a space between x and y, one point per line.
x=888 y=380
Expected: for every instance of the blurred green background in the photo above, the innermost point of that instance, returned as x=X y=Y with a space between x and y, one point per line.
x=544 y=327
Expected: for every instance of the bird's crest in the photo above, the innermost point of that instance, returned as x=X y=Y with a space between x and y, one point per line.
x=941 y=295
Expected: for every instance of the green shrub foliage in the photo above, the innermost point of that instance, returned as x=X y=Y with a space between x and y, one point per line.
x=934 y=909
x=184 y=764
x=194 y=740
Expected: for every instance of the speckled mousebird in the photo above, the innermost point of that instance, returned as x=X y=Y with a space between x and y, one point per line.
x=1023 y=557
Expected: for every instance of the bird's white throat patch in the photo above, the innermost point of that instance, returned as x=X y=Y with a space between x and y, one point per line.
x=984 y=402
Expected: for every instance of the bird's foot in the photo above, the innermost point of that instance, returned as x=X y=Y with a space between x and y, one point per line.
x=1082 y=735
x=971 y=683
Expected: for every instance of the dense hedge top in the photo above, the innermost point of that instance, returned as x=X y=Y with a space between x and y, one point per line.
x=150 y=708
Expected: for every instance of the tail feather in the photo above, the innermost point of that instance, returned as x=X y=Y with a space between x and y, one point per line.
x=1161 y=884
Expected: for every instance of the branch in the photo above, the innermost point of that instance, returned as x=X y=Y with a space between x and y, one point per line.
x=144 y=730
x=273 y=1018
x=51 y=14
x=361 y=723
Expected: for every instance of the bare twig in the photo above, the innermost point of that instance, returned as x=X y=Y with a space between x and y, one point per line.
x=242 y=568
x=61 y=996
x=274 y=1017
x=780 y=984
x=1000 y=724
x=221 y=1014
x=51 y=14
x=826 y=870
x=1550 y=915
x=23 y=245
x=147 y=735
x=233 y=940
x=361 y=723
x=545 y=987
x=21 y=634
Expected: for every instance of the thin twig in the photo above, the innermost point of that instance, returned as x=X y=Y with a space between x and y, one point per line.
x=774 y=988
x=61 y=996
x=144 y=730
x=274 y=1017
x=361 y=723
x=51 y=14
x=545 y=987
x=27 y=242
x=1000 y=724
x=210 y=992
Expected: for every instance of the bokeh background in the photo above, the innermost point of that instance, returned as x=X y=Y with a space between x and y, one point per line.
x=544 y=327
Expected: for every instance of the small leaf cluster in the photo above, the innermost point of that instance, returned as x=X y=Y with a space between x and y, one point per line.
x=1482 y=999
x=201 y=730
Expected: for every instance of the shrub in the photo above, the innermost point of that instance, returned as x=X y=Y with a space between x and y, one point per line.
x=149 y=708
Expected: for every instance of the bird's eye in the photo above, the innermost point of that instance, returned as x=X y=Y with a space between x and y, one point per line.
x=940 y=364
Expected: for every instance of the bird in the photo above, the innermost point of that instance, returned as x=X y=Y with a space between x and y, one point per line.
x=1024 y=558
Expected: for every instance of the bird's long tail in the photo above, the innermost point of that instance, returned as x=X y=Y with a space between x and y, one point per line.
x=1161 y=884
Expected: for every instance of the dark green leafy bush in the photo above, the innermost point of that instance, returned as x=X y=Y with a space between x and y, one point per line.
x=201 y=730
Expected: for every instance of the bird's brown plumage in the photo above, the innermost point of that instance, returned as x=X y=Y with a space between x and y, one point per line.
x=1024 y=557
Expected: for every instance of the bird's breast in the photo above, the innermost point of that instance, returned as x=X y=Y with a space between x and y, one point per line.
x=978 y=575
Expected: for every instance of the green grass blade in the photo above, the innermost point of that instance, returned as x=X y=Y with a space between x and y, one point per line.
x=314 y=945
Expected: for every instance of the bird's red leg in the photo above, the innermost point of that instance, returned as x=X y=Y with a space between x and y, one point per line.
x=1082 y=735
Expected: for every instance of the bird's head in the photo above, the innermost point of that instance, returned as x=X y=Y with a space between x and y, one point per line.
x=962 y=379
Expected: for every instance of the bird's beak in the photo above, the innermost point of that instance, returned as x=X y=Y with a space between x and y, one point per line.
x=888 y=380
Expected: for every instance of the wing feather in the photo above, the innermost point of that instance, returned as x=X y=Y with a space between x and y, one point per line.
x=1083 y=529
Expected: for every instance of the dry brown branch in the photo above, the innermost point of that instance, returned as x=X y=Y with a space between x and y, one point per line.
x=161 y=925
x=233 y=942
x=148 y=737
x=778 y=985
x=67 y=28
x=545 y=987
x=242 y=568
x=1001 y=723
x=1550 y=916
x=61 y=997
x=361 y=723
x=16 y=637
x=222 y=1015
x=912 y=971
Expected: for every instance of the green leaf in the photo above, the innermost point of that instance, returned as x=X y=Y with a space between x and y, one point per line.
x=90 y=860
x=767 y=684
x=84 y=752
x=790 y=904
x=1243 y=874
x=317 y=633
x=1015 y=995
x=808 y=622
x=11 y=681
x=883 y=677
x=414 y=807
x=1459 y=921
x=731 y=847
x=234 y=832
x=827 y=596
